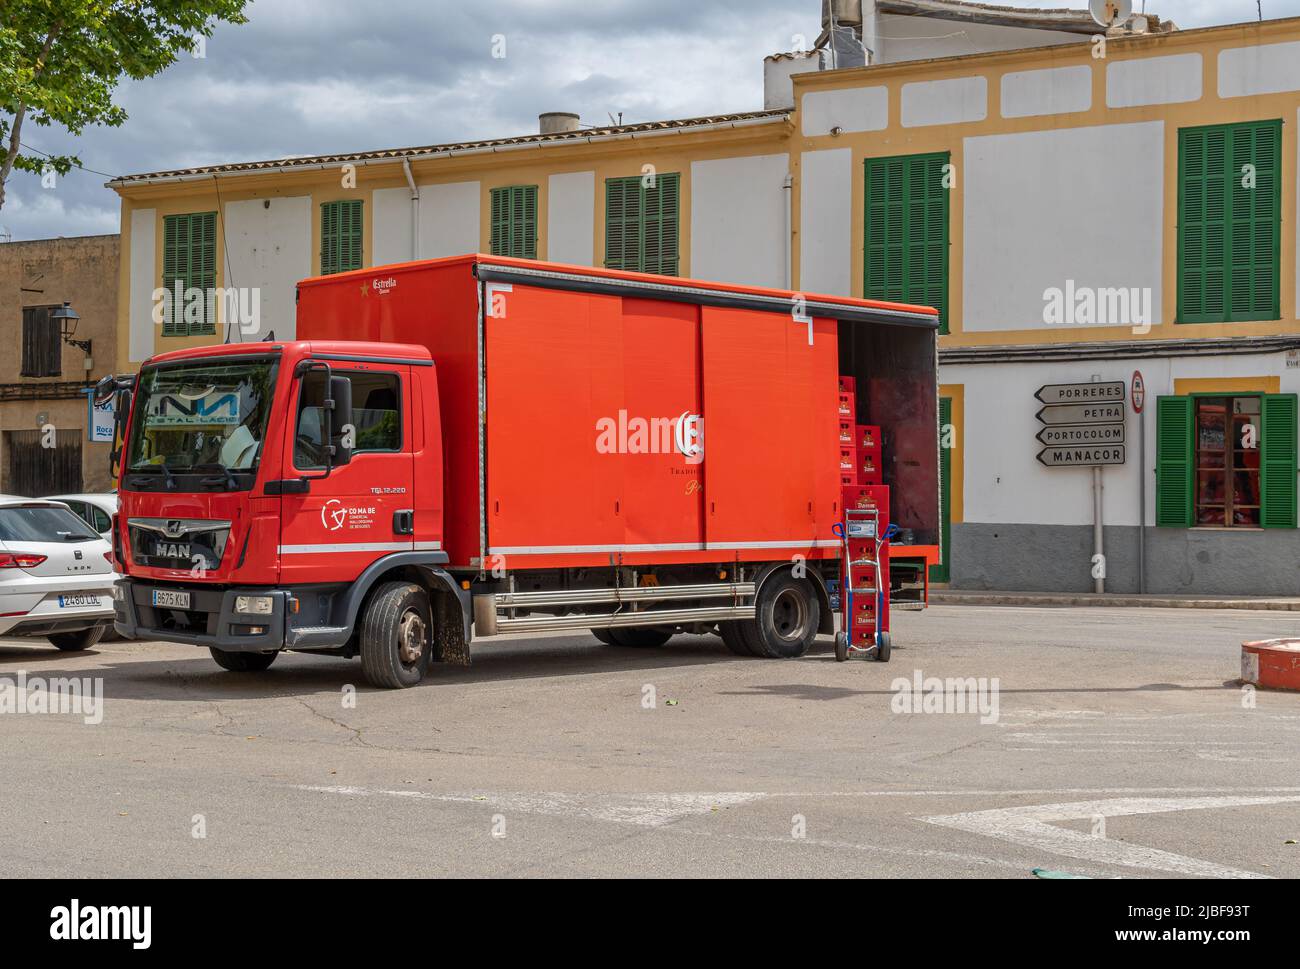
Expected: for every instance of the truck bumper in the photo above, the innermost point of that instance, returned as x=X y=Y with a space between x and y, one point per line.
x=210 y=620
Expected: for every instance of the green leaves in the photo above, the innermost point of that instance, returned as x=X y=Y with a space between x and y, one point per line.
x=61 y=61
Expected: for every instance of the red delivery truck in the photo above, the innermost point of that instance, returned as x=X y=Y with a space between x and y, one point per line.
x=489 y=445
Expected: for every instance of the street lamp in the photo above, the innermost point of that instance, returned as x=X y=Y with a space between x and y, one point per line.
x=68 y=319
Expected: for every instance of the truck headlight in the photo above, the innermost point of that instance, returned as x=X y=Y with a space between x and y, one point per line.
x=117 y=593
x=254 y=605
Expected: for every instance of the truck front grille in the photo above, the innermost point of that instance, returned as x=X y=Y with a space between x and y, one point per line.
x=191 y=544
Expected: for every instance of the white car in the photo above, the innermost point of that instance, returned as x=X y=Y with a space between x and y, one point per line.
x=97 y=511
x=56 y=574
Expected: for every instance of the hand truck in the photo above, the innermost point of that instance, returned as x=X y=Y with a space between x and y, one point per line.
x=861 y=527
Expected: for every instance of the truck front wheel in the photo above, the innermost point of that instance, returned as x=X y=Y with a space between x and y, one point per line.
x=242 y=662
x=786 y=620
x=396 y=636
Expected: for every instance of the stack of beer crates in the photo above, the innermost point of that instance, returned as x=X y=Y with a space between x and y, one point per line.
x=863 y=488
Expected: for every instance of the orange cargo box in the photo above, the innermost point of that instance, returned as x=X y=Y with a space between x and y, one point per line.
x=592 y=417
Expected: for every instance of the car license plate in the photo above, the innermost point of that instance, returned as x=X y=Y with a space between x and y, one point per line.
x=75 y=602
x=171 y=599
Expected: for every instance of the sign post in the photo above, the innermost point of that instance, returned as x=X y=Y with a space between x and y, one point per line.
x=1139 y=392
x=1083 y=427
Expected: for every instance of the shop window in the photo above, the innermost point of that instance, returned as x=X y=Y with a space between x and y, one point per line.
x=1226 y=461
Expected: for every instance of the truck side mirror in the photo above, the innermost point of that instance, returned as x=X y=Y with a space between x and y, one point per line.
x=343 y=432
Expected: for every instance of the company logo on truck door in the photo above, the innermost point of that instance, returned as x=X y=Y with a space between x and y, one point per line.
x=654 y=435
x=334 y=515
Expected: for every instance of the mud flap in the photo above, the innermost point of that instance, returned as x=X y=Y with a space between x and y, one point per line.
x=451 y=631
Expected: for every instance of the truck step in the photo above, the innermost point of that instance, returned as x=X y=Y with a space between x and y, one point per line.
x=641 y=593
x=655 y=617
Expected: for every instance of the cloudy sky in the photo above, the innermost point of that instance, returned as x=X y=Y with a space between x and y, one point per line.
x=317 y=76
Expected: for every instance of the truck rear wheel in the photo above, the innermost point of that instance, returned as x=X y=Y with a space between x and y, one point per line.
x=786 y=620
x=242 y=662
x=396 y=636
x=604 y=636
x=733 y=637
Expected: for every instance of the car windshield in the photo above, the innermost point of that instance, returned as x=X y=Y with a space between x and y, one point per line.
x=42 y=523
x=201 y=416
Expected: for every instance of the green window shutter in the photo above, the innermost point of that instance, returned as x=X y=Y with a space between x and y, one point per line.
x=1175 y=431
x=622 y=224
x=514 y=222
x=341 y=235
x=1278 y=461
x=190 y=258
x=1229 y=230
x=642 y=225
x=660 y=228
x=905 y=256
x=943 y=571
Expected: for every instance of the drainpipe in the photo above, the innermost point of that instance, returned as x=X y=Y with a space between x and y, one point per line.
x=415 y=207
x=788 y=188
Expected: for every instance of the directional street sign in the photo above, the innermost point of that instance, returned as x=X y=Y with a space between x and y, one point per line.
x=1066 y=434
x=1079 y=457
x=1111 y=391
x=1083 y=413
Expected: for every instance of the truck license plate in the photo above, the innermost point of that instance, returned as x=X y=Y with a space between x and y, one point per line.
x=77 y=602
x=171 y=599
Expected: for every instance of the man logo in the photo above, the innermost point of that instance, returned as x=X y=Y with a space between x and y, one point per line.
x=333 y=515
x=174 y=528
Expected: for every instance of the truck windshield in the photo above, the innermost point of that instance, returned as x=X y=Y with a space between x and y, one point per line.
x=201 y=416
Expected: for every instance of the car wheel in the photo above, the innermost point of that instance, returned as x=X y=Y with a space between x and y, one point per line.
x=81 y=639
x=396 y=636
x=242 y=662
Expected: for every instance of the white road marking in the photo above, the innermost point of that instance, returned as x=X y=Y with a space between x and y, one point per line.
x=1029 y=827
x=650 y=810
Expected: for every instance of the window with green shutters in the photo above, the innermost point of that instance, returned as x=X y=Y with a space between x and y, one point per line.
x=190 y=262
x=514 y=221
x=1229 y=222
x=905 y=256
x=641 y=223
x=341 y=233
x=1225 y=460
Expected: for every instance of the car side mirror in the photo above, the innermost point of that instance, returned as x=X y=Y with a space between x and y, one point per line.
x=343 y=432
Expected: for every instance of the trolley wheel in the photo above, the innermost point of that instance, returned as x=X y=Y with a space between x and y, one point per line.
x=841 y=648
x=883 y=648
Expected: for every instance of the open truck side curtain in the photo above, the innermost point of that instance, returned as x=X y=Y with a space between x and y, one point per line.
x=496 y=445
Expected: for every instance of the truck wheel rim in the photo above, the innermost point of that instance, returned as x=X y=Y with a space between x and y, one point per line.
x=410 y=639
x=789 y=615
